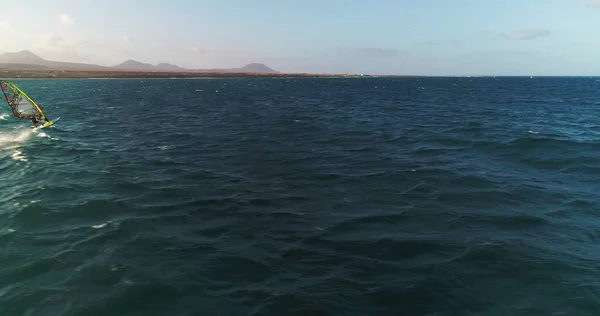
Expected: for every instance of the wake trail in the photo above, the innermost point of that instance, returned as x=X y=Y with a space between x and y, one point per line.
x=16 y=137
x=12 y=141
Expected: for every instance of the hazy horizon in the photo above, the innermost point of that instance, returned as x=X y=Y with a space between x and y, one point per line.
x=426 y=37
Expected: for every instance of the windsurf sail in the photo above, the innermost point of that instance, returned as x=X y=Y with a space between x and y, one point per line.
x=22 y=105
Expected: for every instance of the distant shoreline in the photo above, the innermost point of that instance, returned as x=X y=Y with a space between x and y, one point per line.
x=124 y=74
x=78 y=74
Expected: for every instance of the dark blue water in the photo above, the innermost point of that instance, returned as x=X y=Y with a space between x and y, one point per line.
x=416 y=196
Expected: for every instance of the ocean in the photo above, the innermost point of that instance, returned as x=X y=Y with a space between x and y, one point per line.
x=336 y=196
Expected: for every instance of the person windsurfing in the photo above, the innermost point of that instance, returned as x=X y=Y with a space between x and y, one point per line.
x=36 y=120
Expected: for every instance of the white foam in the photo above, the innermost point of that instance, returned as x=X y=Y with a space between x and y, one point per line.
x=14 y=139
x=101 y=225
x=6 y=231
x=18 y=155
x=42 y=134
x=18 y=136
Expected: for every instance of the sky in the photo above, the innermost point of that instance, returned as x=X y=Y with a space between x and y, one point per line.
x=400 y=37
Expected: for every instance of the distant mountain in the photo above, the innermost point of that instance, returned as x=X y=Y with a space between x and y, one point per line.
x=23 y=57
x=169 y=67
x=28 y=60
x=250 y=68
x=134 y=65
x=255 y=68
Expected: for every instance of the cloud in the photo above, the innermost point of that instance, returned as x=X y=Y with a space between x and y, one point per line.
x=499 y=53
x=61 y=47
x=593 y=4
x=201 y=50
x=55 y=43
x=124 y=46
x=51 y=40
x=380 y=52
x=64 y=18
x=372 y=52
x=440 y=43
x=527 y=34
x=216 y=51
x=5 y=24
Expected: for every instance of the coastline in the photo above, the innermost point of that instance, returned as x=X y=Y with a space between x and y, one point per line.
x=79 y=74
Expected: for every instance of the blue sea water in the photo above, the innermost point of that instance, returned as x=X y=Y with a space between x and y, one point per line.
x=372 y=196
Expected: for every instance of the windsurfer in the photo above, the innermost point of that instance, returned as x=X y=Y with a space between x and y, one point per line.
x=35 y=120
x=23 y=106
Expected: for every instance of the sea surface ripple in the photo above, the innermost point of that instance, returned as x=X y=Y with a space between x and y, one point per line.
x=374 y=196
